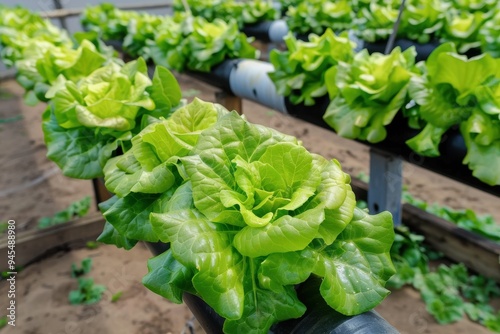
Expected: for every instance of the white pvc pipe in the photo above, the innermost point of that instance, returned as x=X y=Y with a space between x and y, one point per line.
x=249 y=80
x=277 y=31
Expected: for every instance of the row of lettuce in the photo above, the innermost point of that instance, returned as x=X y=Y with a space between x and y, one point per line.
x=41 y=52
x=248 y=211
x=447 y=91
x=181 y=42
x=366 y=91
x=470 y=24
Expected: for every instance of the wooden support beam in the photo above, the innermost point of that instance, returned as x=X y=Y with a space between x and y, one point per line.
x=476 y=252
x=229 y=101
x=35 y=244
x=101 y=194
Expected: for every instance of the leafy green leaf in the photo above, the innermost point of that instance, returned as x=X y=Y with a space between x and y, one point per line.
x=111 y=236
x=197 y=244
x=263 y=308
x=168 y=277
x=79 y=152
x=165 y=90
x=357 y=265
x=130 y=215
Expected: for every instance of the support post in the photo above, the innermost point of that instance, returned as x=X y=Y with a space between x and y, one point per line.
x=386 y=184
x=58 y=5
x=101 y=193
x=229 y=101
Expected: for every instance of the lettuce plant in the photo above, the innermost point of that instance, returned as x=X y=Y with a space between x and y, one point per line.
x=110 y=97
x=140 y=30
x=422 y=20
x=248 y=213
x=246 y=12
x=88 y=120
x=318 y=15
x=135 y=29
x=196 y=44
x=167 y=47
x=258 y=10
x=210 y=43
x=367 y=93
x=45 y=67
x=108 y=21
x=376 y=21
x=299 y=72
x=444 y=99
x=19 y=27
x=462 y=28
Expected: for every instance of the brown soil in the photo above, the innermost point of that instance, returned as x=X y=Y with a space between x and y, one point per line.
x=32 y=187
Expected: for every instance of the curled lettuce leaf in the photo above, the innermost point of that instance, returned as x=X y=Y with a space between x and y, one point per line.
x=367 y=93
x=482 y=139
x=147 y=166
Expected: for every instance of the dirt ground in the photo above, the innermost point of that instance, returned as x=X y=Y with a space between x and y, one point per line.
x=32 y=187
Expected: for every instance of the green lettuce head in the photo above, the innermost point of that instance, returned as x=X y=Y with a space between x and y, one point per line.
x=109 y=98
x=447 y=93
x=376 y=21
x=268 y=180
x=249 y=213
x=19 y=26
x=45 y=67
x=422 y=19
x=367 y=93
x=87 y=121
x=462 y=28
x=299 y=72
x=256 y=215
